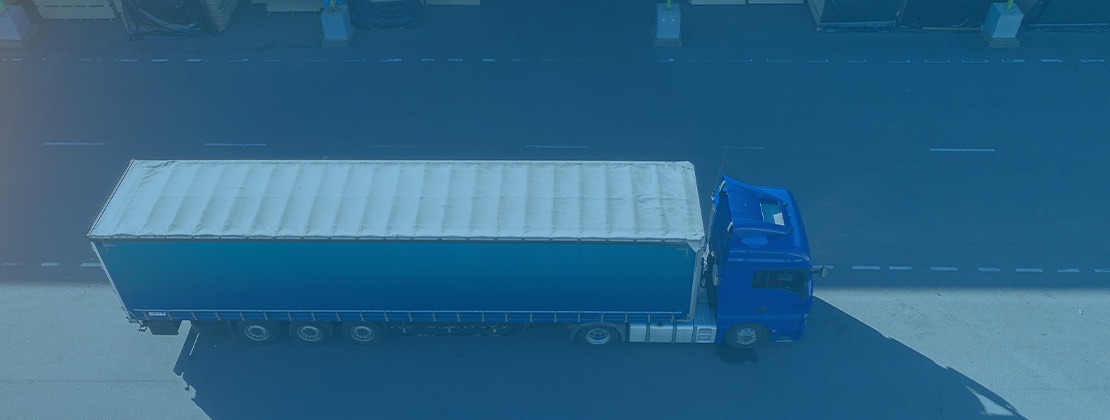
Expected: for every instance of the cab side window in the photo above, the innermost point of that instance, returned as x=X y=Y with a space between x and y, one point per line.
x=789 y=280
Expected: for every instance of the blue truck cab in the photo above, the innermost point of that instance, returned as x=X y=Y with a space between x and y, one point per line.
x=758 y=273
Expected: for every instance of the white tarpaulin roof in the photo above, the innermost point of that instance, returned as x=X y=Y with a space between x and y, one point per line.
x=269 y=199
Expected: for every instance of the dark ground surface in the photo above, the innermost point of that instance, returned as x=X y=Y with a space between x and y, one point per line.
x=850 y=122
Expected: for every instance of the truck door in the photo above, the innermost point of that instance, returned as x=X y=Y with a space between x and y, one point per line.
x=781 y=297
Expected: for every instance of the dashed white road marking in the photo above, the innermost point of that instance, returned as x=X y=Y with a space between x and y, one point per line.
x=14 y=60
x=90 y=264
x=354 y=60
x=1102 y=270
x=489 y=60
x=392 y=60
x=865 y=267
x=10 y=264
x=75 y=143
x=159 y=60
x=740 y=60
x=856 y=61
x=900 y=268
x=518 y=60
x=454 y=60
x=1067 y=270
x=823 y=60
x=128 y=60
x=937 y=60
x=1013 y=60
x=427 y=60
x=769 y=60
x=900 y=61
x=935 y=268
x=960 y=150
x=1051 y=60
x=556 y=146
x=974 y=61
x=666 y=60
x=1091 y=60
x=990 y=269
x=235 y=144
x=273 y=60
x=549 y=60
x=1028 y=270
x=238 y=60
x=51 y=264
x=315 y=60
x=196 y=60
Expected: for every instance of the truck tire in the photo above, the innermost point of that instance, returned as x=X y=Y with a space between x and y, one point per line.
x=363 y=332
x=746 y=336
x=309 y=332
x=258 y=332
x=598 y=336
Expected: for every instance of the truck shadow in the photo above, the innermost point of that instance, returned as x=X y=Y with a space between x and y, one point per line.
x=841 y=369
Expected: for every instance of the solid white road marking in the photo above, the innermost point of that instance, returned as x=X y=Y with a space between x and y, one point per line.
x=957 y=150
x=235 y=144
x=546 y=146
x=74 y=143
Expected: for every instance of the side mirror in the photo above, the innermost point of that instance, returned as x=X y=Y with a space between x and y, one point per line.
x=822 y=272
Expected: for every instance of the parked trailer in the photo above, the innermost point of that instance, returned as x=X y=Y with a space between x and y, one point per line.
x=615 y=250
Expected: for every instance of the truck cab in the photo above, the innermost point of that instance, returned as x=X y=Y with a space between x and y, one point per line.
x=758 y=273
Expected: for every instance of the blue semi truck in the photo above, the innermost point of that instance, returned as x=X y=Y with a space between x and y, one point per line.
x=617 y=251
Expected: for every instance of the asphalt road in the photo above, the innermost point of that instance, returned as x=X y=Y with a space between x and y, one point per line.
x=957 y=191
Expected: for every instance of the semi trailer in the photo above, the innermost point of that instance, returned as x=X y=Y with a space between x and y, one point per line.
x=363 y=249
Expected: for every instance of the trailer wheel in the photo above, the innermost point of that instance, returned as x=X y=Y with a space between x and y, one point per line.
x=309 y=332
x=363 y=332
x=746 y=336
x=258 y=332
x=598 y=336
